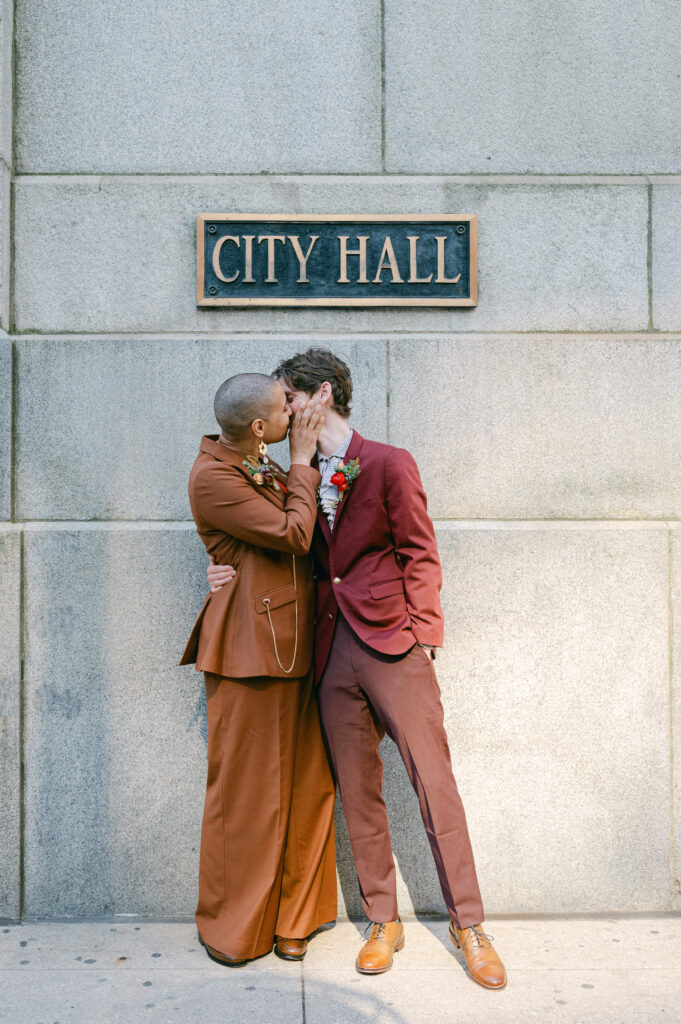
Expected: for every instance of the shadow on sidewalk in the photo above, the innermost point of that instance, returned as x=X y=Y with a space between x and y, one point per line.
x=340 y=1004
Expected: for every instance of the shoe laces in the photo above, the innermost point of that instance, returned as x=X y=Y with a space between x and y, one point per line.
x=478 y=938
x=377 y=930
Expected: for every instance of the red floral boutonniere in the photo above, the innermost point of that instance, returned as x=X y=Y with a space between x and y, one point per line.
x=344 y=477
x=263 y=472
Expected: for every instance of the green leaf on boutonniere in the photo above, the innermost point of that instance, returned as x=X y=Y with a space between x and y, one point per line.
x=344 y=477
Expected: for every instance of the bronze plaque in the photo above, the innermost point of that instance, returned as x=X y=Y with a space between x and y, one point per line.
x=254 y=259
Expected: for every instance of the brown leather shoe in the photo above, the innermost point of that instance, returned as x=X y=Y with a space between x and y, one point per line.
x=376 y=955
x=482 y=961
x=290 y=949
x=221 y=958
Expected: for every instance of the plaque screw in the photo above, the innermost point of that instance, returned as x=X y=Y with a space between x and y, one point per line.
x=212 y=228
x=213 y=290
x=460 y=229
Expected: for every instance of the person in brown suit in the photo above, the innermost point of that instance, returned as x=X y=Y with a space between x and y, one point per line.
x=267 y=872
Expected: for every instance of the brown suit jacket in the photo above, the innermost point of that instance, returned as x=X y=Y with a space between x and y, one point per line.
x=264 y=534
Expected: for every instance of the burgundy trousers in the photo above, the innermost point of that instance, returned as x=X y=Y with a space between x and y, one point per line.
x=362 y=696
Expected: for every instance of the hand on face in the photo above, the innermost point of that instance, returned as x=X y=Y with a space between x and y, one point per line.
x=304 y=431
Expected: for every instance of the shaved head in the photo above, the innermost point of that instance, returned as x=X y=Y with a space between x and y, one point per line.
x=242 y=399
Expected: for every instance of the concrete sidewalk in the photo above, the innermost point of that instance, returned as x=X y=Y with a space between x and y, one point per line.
x=568 y=971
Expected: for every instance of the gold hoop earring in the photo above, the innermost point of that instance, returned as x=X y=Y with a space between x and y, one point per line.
x=262 y=450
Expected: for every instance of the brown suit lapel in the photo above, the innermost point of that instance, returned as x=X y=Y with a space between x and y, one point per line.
x=211 y=446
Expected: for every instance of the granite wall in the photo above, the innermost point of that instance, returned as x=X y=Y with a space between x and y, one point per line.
x=546 y=421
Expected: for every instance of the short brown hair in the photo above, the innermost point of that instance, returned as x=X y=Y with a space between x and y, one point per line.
x=307 y=371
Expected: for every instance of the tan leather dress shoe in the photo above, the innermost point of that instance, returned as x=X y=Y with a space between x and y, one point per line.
x=290 y=949
x=482 y=960
x=376 y=955
x=221 y=958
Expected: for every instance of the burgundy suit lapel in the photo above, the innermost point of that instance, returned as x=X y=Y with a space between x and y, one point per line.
x=324 y=525
x=321 y=518
x=352 y=453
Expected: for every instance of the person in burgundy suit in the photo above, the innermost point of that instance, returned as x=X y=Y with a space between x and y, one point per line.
x=378 y=622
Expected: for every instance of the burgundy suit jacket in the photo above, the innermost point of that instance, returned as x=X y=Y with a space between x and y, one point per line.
x=380 y=563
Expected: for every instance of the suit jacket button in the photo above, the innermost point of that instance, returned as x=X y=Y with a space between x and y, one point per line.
x=336 y=579
x=330 y=615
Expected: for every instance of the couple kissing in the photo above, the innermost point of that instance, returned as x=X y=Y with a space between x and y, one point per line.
x=319 y=635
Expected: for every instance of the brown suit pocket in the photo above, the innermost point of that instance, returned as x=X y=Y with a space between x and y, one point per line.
x=275 y=598
x=387 y=589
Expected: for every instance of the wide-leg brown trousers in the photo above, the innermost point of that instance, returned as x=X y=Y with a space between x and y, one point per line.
x=362 y=696
x=267 y=861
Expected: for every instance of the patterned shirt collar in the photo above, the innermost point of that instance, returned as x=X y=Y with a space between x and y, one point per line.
x=340 y=452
